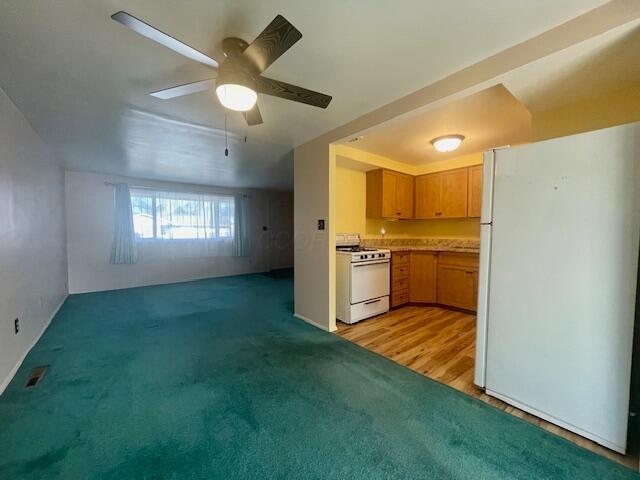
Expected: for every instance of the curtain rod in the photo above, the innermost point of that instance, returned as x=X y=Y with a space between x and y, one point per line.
x=170 y=190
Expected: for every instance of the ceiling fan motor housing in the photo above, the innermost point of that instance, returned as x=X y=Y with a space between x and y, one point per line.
x=233 y=46
x=235 y=71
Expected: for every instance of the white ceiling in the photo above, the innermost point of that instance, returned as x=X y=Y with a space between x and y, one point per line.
x=82 y=80
x=501 y=114
x=489 y=118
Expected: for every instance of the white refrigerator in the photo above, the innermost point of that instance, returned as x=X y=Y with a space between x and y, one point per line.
x=558 y=270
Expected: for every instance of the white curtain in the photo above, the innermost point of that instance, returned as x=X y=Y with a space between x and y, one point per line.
x=190 y=225
x=242 y=242
x=123 y=249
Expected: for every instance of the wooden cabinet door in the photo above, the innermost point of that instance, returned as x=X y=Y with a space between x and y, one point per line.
x=427 y=190
x=475 y=191
x=389 y=194
x=404 y=196
x=457 y=286
x=423 y=276
x=453 y=193
x=399 y=278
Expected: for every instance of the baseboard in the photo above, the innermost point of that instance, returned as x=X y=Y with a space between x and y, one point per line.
x=5 y=383
x=312 y=322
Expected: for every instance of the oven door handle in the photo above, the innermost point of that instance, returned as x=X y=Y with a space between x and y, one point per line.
x=372 y=301
x=365 y=263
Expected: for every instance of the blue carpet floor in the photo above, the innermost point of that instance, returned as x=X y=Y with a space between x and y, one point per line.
x=215 y=379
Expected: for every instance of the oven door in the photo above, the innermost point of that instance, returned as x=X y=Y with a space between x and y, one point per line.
x=369 y=280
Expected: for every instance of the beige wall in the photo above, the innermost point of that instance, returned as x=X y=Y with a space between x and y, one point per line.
x=314 y=166
x=350 y=196
x=605 y=110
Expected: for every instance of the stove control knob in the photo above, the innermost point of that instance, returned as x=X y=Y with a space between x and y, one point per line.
x=362 y=257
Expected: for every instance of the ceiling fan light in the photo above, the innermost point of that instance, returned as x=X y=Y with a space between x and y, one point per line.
x=447 y=143
x=236 y=97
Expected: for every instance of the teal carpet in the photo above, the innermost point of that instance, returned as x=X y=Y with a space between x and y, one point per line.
x=216 y=379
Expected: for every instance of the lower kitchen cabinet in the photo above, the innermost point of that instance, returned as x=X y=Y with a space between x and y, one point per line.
x=400 y=267
x=423 y=276
x=458 y=280
x=449 y=279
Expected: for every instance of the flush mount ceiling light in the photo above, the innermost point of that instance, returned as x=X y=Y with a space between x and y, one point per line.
x=447 y=143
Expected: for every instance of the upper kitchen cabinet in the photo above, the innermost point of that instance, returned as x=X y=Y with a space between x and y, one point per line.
x=442 y=195
x=389 y=194
x=428 y=196
x=475 y=191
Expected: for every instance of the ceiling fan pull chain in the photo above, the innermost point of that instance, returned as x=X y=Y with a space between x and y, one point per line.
x=226 y=145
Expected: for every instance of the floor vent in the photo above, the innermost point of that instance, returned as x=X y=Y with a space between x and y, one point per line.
x=35 y=376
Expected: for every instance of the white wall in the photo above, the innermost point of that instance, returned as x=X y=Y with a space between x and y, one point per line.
x=90 y=211
x=33 y=264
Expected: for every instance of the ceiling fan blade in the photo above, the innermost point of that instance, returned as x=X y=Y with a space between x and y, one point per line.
x=277 y=38
x=253 y=116
x=185 y=89
x=287 y=91
x=162 y=38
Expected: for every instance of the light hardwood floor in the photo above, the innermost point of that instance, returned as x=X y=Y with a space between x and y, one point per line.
x=440 y=344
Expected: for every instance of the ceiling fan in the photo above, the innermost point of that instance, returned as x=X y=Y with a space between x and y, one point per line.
x=239 y=78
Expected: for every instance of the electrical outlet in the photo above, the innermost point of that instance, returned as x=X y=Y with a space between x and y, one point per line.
x=320 y=224
x=16 y=326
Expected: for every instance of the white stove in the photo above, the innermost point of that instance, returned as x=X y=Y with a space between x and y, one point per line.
x=359 y=254
x=362 y=283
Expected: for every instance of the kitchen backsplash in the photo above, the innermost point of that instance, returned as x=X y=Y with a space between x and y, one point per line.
x=440 y=244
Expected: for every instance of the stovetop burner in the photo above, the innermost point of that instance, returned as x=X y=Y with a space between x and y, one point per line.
x=355 y=249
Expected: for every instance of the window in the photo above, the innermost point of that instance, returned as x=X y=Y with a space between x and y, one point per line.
x=182 y=216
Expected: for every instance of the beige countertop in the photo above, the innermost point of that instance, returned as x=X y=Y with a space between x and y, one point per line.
x=409 y=248
x=427 y=244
